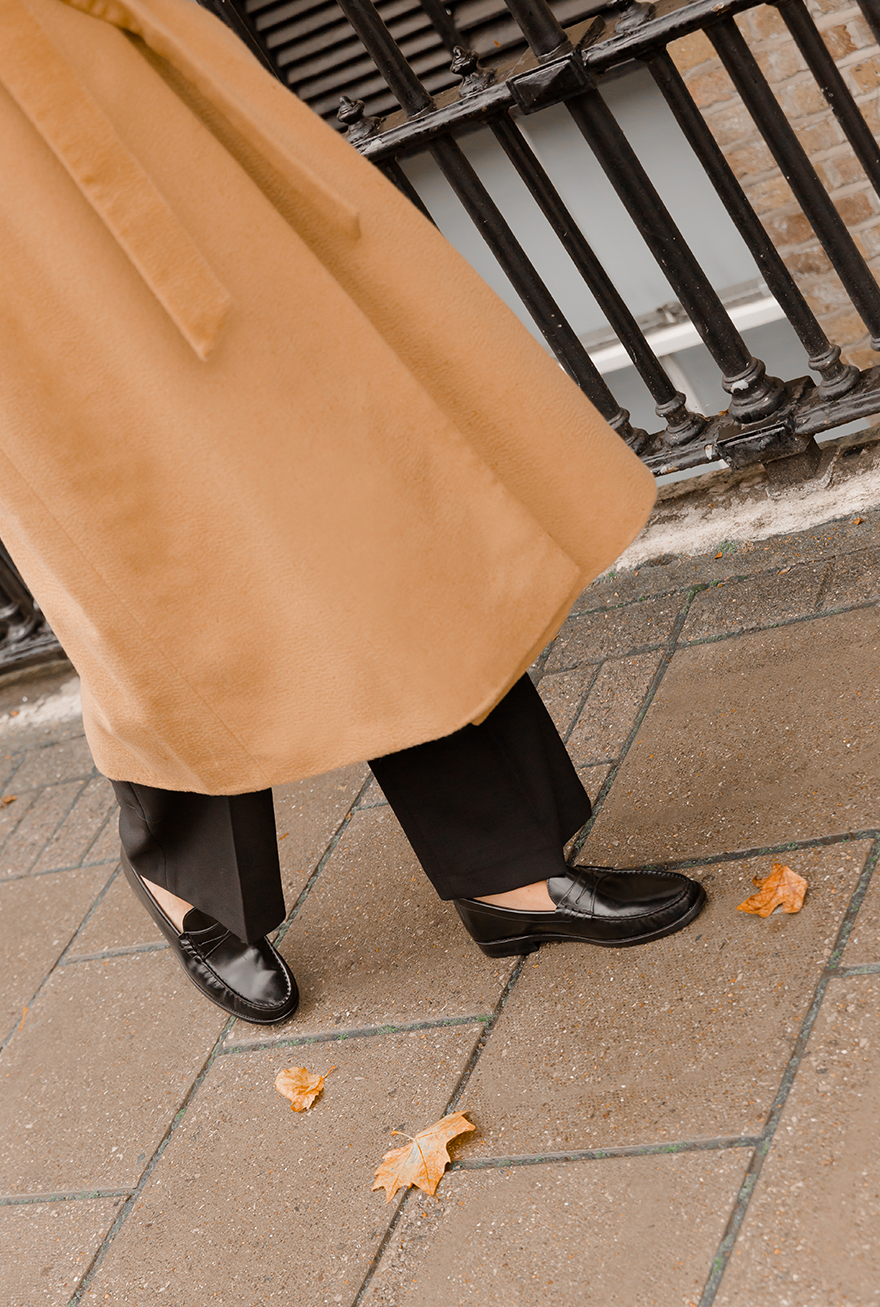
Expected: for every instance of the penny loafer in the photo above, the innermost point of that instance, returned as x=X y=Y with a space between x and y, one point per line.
x=596 y=905
x=251 y=981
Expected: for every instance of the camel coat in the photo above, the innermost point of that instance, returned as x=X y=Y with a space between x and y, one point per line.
x=291 y=484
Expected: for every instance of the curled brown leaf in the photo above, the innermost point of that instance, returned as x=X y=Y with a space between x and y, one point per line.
x=302 y=1087
x=783 y=887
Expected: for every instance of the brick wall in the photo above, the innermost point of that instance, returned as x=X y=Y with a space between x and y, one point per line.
x=851 y=43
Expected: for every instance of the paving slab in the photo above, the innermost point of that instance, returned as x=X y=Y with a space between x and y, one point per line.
x=611 y=709
x=47 y=1247
x=810 y=1234
x=373 y=945
x=36 y=828
x=863 y=945
x=118 y=921
x=762 y=600
x=307 y=814
x=73 y=841
x=564 y=693
x=610 y=632
x=38 y=916
x=623 y=1232
x=751 y=741
x=12 y=813
x=853 y=579
x=252 y=1203
x=64 y=761
x=684 y=1038
x=106 y=845
x=82 y=1104
x=373 y=796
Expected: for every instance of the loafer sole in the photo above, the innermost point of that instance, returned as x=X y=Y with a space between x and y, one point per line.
x=236 y=1005
x=518 y=946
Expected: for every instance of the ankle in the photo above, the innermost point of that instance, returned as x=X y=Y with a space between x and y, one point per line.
x=526 y=898
x=175 y=909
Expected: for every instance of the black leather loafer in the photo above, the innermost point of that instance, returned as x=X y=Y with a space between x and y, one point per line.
x=252 y=981
x=597 y=905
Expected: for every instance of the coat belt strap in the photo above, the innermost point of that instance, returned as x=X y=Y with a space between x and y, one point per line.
x=115 y=184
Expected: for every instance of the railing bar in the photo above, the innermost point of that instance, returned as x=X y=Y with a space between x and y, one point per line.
x=444 y=23
x=540 y=26
x=531 y=289
x=490 y=223
x=871 y=10
x=387 y=56
x=395 y=173
x=682 y=424
x=833 y=87
x=823 y=357
x=795 y=166
x=753 y=394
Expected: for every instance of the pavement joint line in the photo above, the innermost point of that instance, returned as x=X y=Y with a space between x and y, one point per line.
x=855 y=903
x=96 y=903
x=582 y=702
x=669 y=648
x=859 y=969
x=451 y=1106
x=54 y=871
x=775 y=626
x=322 y=862
x=356 y=1032
x=124 y=951
x=750 y=1182
x=111 y=814
x=53 y=968
x=28 y=1200
x=57 y=827
x=718 y=1144
x=768 y=850
x=135 y=1193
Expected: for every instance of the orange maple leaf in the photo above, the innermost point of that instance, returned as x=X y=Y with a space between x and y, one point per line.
x=423 y=1160
x=782 y=886
x=302 y=1087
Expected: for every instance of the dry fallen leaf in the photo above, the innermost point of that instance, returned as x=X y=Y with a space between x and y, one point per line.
x=423 y=1160
x=858 y=522
x=782 y=886
x=8 y=798
x=302 y=1087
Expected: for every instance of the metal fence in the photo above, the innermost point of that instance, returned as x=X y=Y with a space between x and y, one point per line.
x=767 y=418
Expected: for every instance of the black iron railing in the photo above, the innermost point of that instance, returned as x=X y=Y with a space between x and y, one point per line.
x=767 y=418
x=25 y=639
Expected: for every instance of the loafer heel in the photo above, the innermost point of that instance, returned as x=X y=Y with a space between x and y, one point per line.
x=510 y=948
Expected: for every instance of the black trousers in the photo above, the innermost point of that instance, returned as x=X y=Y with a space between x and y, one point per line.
x=486 y=809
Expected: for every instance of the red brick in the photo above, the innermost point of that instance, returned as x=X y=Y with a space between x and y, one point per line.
x=802 y=99
x=750 y=160
x=861 y=357
x=762 y=23
x=781 y=62
x=808 y=263
x=864 y=76
x=691 y=51
x=828 y=297
x=819 y=136
x=732 y=125
x=855 y=208
x=847 y=329
x=842 y=170
x=839 y=40
x=774 y=193
x=788 y=229
x=711 y=88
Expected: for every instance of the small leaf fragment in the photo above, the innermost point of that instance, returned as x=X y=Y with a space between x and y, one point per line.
x=857 y=522
x=783 y=886
x=423 y=1160
x=302 y=1087
x=7 y=799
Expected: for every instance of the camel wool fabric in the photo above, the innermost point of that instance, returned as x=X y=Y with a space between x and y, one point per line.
x=292 y=486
